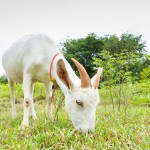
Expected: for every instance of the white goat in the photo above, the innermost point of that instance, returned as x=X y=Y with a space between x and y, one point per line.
x=28 y=61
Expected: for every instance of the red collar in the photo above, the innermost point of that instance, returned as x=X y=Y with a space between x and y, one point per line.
x=52 y=64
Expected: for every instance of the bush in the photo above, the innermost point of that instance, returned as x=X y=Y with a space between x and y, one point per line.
x=3 y=79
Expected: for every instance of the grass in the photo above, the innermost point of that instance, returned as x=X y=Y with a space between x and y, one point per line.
x=128 y=129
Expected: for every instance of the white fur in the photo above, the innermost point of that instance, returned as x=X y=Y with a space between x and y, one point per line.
x=28 y=61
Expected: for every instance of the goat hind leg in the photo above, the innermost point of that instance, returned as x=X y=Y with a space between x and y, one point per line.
x=12 y=97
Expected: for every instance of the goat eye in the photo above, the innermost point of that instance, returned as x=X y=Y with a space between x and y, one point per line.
x=79 y=102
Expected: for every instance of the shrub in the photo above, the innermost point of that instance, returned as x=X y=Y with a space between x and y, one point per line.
x=3 y=79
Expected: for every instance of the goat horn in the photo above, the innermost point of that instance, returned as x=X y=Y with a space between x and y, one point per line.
x=85 y=79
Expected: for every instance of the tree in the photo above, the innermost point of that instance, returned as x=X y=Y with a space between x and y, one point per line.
x=128 y=42
x=116 y=69
x=131 y=46
x=83 y=50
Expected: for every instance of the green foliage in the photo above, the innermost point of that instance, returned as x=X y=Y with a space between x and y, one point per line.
x=117 y=80
x=83 y=50
x=3 y=79
x=130 y=49
x=58 y=102
x=4 y=92
x=115 y=67
x=125 y=94
x=126 y=42
x=144 y=98
x=39 y=91
x=145 y=74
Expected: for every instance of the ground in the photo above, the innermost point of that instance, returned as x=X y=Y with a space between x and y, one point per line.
x=128 y=129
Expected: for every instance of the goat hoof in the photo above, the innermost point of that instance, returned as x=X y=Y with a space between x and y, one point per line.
x=24 y=125
x=34 y=117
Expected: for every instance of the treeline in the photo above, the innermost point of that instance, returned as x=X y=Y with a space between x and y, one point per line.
x=122 y=58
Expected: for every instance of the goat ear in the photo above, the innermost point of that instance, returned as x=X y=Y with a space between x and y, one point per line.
x=63 y=74
x=95 y=80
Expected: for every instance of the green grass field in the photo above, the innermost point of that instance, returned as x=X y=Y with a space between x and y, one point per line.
x=125 y=129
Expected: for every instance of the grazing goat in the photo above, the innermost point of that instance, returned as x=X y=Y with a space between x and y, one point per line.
x=35 y=58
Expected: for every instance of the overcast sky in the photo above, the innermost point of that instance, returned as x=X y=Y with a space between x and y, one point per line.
x=72 y=18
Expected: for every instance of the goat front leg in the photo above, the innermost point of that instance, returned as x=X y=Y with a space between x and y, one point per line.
x=27 y=103
x=12 y=97
x=49 y=98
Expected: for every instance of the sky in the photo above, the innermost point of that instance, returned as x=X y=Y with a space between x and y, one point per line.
x=61 y=19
